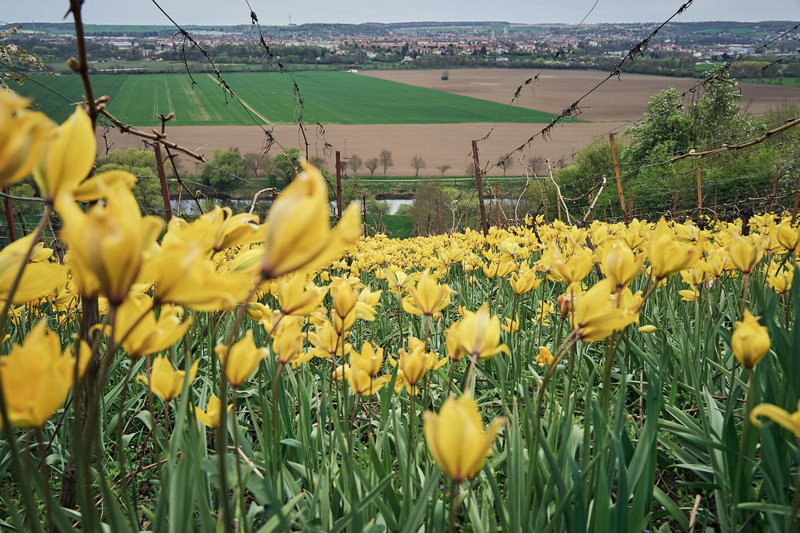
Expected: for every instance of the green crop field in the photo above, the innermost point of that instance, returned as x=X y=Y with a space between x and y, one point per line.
x=330 y=98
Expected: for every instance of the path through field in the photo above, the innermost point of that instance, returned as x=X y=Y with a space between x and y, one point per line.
x=249 y=108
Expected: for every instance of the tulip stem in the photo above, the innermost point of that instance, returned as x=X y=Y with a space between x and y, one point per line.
x=275 y=418
x=240 y=488
x=470 y=372
x=746 y=282
x=45 y=474
x=450 y=380
x=400 y=314
x=120 y=448
x=453 y=509
x=742 y=445
x=411 y=414
x=795 y=501
x=516 y=361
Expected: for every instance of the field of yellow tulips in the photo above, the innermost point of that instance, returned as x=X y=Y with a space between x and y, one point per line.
x=224 y=374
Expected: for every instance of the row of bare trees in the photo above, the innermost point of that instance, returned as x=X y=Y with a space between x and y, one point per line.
x=385 y=161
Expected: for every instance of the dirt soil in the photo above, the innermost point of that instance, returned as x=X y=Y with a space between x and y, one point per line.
x=623 y=98
x=611 y=106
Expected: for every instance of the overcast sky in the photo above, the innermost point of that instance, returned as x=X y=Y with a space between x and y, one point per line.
x=271 y=12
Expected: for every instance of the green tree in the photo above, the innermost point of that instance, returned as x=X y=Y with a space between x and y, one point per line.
x=717 y=112
x=147 y=189
x=665 y=128
x=224 y=170
x=24 y=190
x=283 y=167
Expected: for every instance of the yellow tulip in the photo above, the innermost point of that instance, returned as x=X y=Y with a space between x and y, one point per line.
x=715 y=263
x=649 y=328
x=511 y=326
x=295 y=299
x=789 y=236
x=325 y=342
x=412 y=363
x=368 y=300
x=23 y=134
x=36 y=377
x=38 y=279
x=98 y=187
x=68 y=157
x=258 y=311
x=288 y=344
x=790 y=421
x=165 y=380
x=452 y=343
x=545 y=356
x=298 y=227
x=457 y=440
x=341 y=372
x=575 y=267
x=369 y=359
x=524 y=281
x=236 y=230
x=398 y=280
x=689 y=295
x=595 y=314
x=621 y=265
x=668 y=254
x=427 y=296
x=364 y=384
x=344 y=299
x=750 y=341
x=744 y=253
x=147 y=335
x=479 y=334
x=211 y=417
x=781 y=281
x=107 y=244
x=241 y=359
x=183 y=276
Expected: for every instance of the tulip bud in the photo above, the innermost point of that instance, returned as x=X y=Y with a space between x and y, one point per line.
x=564 y=304
x=750 y=341
x=344 y=299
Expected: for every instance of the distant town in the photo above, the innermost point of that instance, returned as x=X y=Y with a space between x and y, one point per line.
x=765 y=50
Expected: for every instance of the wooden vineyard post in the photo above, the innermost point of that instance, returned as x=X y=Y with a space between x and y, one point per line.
x=699 y=195
x=163 y=178
x=484 y=223
x=616 y=173
x=338 y=185
x=12 y=230
x=774 y=188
